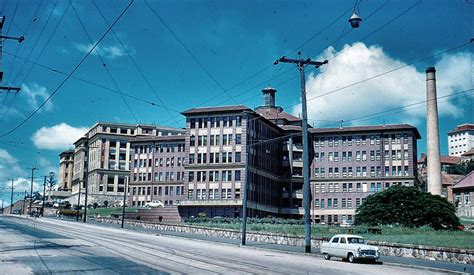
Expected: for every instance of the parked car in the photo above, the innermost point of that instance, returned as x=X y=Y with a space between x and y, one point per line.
x=350 y=247
x=154 y=204
x=346 y=223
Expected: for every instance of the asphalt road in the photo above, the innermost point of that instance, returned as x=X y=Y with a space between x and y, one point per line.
x=54 y=246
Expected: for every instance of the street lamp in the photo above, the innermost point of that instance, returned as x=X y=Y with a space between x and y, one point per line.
x=355 y=19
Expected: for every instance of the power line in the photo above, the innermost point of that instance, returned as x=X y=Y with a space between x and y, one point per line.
x=90 y=82
x=190 y=52
x=69 y=75
x=103 y=62
x=140 y=71
x=36 y=41
x=24 y=33
x=47 y=42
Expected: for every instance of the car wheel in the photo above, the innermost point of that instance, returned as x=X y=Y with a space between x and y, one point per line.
x=350 y=258
x=327 y=256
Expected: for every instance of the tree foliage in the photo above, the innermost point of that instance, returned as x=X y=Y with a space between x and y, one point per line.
x=407 y=206
x=461 y=168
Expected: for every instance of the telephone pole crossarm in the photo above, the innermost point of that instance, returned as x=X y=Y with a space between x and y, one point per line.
x=302 y=63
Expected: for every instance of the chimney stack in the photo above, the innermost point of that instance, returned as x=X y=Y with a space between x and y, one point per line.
x=433 y=157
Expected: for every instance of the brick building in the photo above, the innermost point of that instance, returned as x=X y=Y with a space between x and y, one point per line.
x=157 y=170
x=351 y=163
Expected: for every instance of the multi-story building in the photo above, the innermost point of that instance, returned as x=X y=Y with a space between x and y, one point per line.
x=66 y=163
x=108 y=153
x=157 y=170
x=202 y=168
x=351 y=163
x=79 y=171
x=461 y=140
x=219 y=140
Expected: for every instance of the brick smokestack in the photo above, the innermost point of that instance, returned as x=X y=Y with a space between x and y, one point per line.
x=433 y=157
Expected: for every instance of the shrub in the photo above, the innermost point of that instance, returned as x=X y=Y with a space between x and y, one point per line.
x=68 y=212
x=407 y=206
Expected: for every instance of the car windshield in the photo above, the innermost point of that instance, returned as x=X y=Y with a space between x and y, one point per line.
x=356 y=240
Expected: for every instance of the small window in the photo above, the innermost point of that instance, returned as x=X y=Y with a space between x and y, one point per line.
x=343 y=240
x=335 y=240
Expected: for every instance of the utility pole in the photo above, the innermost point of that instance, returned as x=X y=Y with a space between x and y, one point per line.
x=11 y=197
x=24 y=203
x=31 y=189
x=3 y=37
x=124 y=199
x=246 y=185
x=86 y=181
x=78 y=201
x=301 y=64
x=44 y=195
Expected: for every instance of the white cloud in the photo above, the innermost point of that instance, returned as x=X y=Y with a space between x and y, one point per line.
x=60 y=136
x=36 y=95
x=405 y=86
x=110 y=51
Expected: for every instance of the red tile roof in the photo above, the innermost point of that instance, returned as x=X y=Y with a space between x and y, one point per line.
x=468 y=153
x=376 y=128
x=275 y=113
x=450 y=159
x=462 y=128
x=466 y=182
x=221 y=109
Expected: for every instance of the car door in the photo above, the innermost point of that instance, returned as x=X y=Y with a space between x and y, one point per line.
x=334 y=246
x=342 y=247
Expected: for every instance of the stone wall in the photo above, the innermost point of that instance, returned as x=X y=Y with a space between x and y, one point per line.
x=454 y=255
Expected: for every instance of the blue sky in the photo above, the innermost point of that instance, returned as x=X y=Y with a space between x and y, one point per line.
x=225 y=43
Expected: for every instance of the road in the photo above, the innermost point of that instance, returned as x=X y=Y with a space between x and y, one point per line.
x=54 y=246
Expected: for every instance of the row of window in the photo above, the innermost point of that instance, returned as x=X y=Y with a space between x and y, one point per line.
x=159 y=162
x=354 y=187
x=213 y=194
x=142 y=203
x=359 y=139
x=215 y=140
x=158 y=190
x=215 y=122
x=334 y=203
x=334 y=218
x=159 y=176
x=361 y=171
x=223 y=157
x=361 y=155
x=214 y=176
x=161 y=148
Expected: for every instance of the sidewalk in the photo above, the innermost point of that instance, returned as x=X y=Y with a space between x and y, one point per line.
x=390 y=260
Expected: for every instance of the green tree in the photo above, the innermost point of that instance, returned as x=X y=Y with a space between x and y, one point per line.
x=407 y=206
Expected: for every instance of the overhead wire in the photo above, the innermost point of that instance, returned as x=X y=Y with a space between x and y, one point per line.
x=24 y=34
x=173 y=33
x=104 y=65
x=57 y=71
x=138 y=68
x=37 y=40
x=47 y=42
x=68 y=76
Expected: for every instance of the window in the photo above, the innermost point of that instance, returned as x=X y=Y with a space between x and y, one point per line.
x=364 y=155
x=238 y=157
x=329 y=203
x=357 y=155
x=191 y=176
x=343 y=203
x=372 y=155
x=192 y=140
x=336 y=156
x=334 y=202
x=238 y=121
x=238 y=138
x=237 y=175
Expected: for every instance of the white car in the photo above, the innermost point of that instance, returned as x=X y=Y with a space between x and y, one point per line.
x=350 y=247
x=154 y=204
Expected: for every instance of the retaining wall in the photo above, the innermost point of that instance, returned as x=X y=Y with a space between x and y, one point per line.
x=454 y=255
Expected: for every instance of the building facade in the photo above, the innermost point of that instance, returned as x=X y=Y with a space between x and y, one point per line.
x=352 y=163
x=205 y=167
x=463 y=192
x=157 y=170
x=461 y=140
x=107 y=152
x=66 y=164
